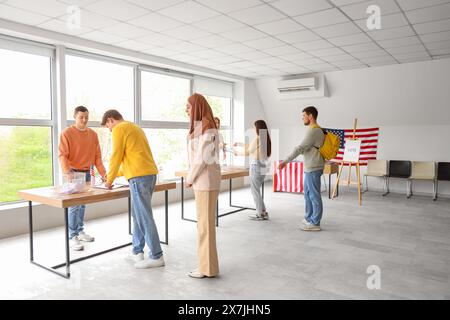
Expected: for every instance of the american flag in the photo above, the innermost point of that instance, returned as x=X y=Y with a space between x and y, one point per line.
x=369 y=143
x=290 y=179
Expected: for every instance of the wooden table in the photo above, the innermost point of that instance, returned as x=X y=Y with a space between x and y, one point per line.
x=226 y=174
x=329 y=169
x=51 y=197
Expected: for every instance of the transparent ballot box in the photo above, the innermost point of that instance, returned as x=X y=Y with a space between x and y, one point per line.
x=73 y=182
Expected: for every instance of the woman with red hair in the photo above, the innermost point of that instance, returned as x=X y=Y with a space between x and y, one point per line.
x=204 y=178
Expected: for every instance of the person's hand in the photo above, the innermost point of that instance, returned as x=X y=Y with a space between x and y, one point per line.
x=188 y=185
x=104 y=178
x=108 y=185
x=282 y=165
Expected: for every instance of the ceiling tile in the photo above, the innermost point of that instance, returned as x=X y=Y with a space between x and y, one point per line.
x=298 y=7
x=433 y=26
x=50 y=8
x=22 y=16
x=253 y=55
x=156 y=22
x=63 y=27
x=401 y=42
x=186 y=33
x=350 y=39
x=93 y=20
x=243 y=34
x=394 y=33
x=126 y=30
x=439 y=52
x=226 y=59
x=189 y=12
x=361 y=47
x=212 y=41
x=313 y=45
x=264 y=43
x=157 y=40
x=337 y=30
x=340 y=57
x=242 y=64
x=416 y=4
x=429 y=14
x=235 y=48
x=438 y=45
x=81 y=3
x=219 y=24
x=349 y=63
x=279 y=27
x=326 y=52
x=208 y=54
x=411 y=55
x=406 y=49
x=160 y=52
x=102 y=37
x=282 y=50
x=298 y=36
x=295 y=56
x=345 y=2
x=257 y=15
x=358 y=10
x=310 y=61
x=387 y=21
x=134 y=45
x=369 y=54
x=185 y=58
x=377 y=60
x=155 y=5
x=322 y=18
x=184 y=47
x=117 y=9
x=433 y=37
x=229 y=6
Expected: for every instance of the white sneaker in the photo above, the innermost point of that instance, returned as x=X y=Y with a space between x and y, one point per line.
x=256 y=216
x=304 y=221
x=85 y=237
x=75 y=244
x=131 y=257
x=310 y=227
x=265 y=215
x=197 y=275
x=150 y=263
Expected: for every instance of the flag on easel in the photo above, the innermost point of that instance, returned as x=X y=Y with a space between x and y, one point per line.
x=290 y=179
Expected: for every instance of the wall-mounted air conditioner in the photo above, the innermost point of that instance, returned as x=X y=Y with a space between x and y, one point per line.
x=304 y=84
x=304 y=87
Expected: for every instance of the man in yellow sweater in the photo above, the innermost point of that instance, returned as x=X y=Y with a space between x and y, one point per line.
x=131 y=156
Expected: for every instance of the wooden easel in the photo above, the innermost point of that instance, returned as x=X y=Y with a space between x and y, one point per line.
x=350 y=164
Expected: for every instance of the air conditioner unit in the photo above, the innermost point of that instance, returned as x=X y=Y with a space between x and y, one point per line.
x=295 y=85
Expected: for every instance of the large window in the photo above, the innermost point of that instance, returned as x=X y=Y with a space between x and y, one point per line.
x=164 y=97
x=26 y=124
x=99 y=86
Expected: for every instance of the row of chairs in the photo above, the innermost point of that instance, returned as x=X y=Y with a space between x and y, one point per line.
x=410 y=170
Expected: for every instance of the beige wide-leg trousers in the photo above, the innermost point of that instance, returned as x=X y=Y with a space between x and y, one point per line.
x=206 y=202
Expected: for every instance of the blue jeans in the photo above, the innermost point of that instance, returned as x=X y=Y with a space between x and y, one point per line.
x=257 y=176
x=144 y=227
x=313 y=198
x=76 y=216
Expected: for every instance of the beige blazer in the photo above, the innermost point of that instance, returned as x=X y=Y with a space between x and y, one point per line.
x=204 y=167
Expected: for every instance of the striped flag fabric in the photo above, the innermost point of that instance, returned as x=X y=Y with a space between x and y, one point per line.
x=369 y=143
x=290 y=179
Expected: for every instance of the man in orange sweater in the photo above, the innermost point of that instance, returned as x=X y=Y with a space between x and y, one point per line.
x=79 y=148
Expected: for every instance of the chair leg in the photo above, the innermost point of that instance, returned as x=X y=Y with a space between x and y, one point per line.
x=408 y=190
x=387 y=187
x=435 y=186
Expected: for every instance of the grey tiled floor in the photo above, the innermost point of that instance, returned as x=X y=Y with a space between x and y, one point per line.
x=409 y=240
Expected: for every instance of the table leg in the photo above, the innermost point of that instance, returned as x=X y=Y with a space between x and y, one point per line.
x=166 y=196
x=329 y=186
x=129 y=215
x=30 y=222
x=182 y=198
x=66 y=227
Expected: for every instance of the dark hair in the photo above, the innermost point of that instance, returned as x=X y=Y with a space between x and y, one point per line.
x=80 y=109
x=267 y=147
x=311 y=110
x=111 y=114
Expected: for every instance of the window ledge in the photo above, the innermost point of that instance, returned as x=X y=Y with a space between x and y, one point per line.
x=16 y=205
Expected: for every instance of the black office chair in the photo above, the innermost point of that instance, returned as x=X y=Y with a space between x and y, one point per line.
x=442 y=175
x=398 y=169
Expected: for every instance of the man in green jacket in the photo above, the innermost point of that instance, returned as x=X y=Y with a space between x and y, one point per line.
x=313 y=169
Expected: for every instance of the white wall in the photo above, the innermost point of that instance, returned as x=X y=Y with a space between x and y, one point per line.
x=409 y=102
